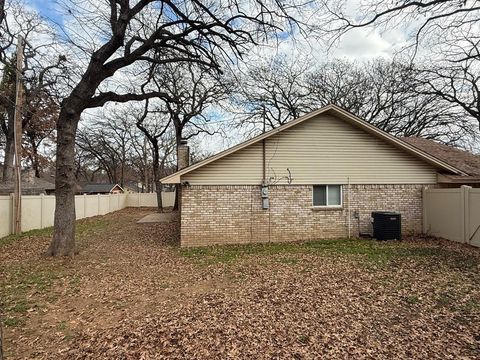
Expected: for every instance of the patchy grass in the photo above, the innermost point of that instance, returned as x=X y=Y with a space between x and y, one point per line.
x=13 y=322
x=471 y=306
x=26 y=290
x=230 y=253
x=62 y=326
x=26 y=287
x=303 y=339
x=379 y=253
x=412 y=299
x=27 y=234
x=90 y=226
x=83 y=228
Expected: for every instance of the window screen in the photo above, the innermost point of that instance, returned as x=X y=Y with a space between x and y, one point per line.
x=327 y=195
x=319 y=195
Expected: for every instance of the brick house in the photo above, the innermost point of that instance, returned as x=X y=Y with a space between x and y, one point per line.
x=319 y=176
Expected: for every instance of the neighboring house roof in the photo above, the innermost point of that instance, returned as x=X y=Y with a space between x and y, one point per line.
x=30 y=186
x=100 y=188
x=461 y=159
x=341 y=114
x=133 y=186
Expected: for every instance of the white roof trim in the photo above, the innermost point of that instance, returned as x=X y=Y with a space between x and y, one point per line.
x=344 y=115
x=114 y=186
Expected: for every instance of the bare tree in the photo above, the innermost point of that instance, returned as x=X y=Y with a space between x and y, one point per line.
x=41 y=110
x=439 y=18
x=390 y=95
x=342 y=83
x=196 y=90
x=2 y=14
x=272 y=93
x=158 y=32
x=101 y=149
x=2 y=17
x=108 y=142
x=7 y=113
x=85 y=168
x=156 y=128
x=139 y=158
x=447 y=28
x=457 y=82
x=40 y=75
x=393 y=97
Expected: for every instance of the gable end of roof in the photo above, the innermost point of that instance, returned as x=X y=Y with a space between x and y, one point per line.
x=340 y=113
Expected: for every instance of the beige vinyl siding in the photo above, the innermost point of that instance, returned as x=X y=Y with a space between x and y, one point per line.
x=321 y=150
x=244 y=167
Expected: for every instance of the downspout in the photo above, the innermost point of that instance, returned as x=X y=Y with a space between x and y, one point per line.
x=348 y=207
x=264 y=181
x=264 y=187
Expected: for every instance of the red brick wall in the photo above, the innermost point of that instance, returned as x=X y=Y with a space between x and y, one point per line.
x=234 y=214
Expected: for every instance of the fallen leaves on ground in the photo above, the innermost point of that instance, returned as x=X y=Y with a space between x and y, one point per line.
x=133 y=294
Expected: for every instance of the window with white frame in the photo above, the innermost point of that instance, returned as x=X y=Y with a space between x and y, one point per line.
x=327 y=195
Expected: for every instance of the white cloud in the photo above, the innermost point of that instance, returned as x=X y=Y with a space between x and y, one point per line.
x=357 y=44
x=363 y=43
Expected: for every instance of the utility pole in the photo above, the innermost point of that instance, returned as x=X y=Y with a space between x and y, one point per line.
x=17 y=216
x=1 y=341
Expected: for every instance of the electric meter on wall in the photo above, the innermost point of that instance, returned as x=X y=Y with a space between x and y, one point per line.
x=264 y=191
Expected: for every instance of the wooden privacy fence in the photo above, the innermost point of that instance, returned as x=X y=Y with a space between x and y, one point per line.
x=38 y=210
x=453 y=214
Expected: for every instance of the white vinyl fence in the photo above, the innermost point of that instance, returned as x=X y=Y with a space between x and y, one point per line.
x=453 y=214
x=38 y=210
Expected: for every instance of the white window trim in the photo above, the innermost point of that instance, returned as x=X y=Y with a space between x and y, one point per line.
x=326 y=194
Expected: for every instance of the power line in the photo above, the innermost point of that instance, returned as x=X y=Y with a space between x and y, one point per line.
x=206 y=121
x=13 y=103
x=103 y=117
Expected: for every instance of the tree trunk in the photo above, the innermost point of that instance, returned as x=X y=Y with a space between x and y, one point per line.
x=63 y=242
x=122 y=166
x=178 y=139
x=35 y=159
x=9 y=149
x=145 y=166
x=177 y=197
x=122 y=173
x=8 y=164
x=156 y=175
x=158 y=187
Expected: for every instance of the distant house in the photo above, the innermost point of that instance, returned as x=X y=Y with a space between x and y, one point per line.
x=102 y=189
x=132 y=187
x=318 y=176
x=30 y=185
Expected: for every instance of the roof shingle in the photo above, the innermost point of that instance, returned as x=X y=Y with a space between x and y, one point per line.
x=98 y=188
x=461 y=159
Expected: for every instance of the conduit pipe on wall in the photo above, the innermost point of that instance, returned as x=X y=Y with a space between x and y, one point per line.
x=264 y=165
x=348 y=207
